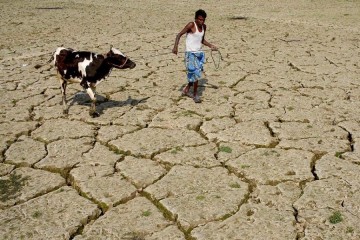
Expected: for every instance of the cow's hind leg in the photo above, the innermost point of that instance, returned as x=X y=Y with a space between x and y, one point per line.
x=93 y=88
x=91 y=94
x=63 y=84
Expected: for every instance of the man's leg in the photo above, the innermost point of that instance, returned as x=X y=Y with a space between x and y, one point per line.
x=195 y=88
x=196 y=97
x=185 y=91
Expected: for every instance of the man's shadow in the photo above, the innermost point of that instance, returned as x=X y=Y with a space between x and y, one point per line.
x=102 y=103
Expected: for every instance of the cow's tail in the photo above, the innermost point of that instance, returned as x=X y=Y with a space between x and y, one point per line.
x=51 y=59
x=37 y=66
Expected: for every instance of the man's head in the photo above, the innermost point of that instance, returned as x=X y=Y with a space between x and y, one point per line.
x=200 y=16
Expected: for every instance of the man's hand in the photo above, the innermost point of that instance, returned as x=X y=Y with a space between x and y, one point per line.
x=213 y=47
x=175 y=50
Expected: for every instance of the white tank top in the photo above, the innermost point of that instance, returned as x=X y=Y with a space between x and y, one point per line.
x=194 y=40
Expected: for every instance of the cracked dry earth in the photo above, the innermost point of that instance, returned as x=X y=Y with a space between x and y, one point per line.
x=272 y=152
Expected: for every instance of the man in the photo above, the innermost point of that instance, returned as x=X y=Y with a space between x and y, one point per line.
x=194 y=56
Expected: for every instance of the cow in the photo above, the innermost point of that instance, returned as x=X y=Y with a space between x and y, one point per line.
x=88 y=69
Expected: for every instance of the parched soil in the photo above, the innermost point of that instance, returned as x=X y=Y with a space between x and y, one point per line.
x=271 y=152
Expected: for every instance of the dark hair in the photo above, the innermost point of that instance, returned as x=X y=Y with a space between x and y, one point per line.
x=200 y=12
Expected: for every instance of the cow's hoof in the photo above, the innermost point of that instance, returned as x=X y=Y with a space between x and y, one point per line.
x=66 y=111
x=94 y=114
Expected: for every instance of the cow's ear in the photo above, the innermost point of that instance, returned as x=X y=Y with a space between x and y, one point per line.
x=111 y=47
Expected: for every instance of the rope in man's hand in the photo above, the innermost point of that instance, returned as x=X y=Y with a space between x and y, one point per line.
x=216 y=63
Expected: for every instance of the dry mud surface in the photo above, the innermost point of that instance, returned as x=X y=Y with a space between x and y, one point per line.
x=272 y=152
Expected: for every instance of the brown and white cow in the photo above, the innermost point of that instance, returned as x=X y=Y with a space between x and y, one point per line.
x=88 y=69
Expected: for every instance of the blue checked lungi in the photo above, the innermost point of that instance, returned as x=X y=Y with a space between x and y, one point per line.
x=194 y=62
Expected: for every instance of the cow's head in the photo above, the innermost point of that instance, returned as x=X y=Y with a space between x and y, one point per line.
x=118 y=60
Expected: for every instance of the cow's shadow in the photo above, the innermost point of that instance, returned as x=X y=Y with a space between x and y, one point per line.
x=203 y=84
x=102 y=103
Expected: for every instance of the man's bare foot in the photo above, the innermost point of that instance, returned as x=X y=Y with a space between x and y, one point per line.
x=197 y=99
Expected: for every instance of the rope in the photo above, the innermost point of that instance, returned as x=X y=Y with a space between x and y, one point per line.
x=220 y=58
x=216 y=63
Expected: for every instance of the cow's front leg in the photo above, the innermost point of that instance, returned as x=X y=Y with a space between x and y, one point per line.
x=93 y=111
x=91 y=94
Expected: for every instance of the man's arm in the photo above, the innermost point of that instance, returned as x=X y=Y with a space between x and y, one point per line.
x=186 y=29
x=206 y=43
